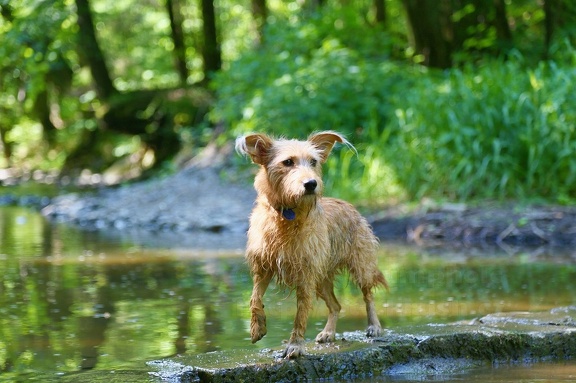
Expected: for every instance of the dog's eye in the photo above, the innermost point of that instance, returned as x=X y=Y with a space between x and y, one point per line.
x=288 y=162
x=313 y=162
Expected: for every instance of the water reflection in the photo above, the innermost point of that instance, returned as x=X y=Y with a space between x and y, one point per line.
x=71 y=300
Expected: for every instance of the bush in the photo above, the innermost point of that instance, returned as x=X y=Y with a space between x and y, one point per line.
x=500 y=130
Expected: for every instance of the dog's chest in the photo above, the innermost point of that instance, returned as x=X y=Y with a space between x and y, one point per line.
x=299 y=257
x=300 y=261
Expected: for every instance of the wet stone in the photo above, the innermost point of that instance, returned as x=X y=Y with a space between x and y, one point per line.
x=419 y=351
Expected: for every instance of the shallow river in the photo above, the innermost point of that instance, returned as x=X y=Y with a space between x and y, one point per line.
x=72 y=300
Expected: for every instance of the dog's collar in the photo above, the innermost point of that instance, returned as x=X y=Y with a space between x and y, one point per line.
x=287 y=213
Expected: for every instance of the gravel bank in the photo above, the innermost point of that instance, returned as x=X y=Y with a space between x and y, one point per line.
x=195 y=199
x=198 y=204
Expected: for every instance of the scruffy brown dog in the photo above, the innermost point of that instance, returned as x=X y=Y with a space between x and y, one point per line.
x=302 y=238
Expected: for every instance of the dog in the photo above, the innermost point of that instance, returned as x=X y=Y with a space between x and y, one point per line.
x=303 y=239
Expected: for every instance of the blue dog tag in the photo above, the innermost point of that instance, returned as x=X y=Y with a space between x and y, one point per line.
x=289 y=214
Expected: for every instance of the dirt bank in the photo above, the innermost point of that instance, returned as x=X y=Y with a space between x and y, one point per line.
x=204 y=199
x=503 y=225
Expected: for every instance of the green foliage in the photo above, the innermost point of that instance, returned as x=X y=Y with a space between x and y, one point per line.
x=500 y=130
x=35 y=38
x=491 y=128
x=38 y=56
x=322 y=72
x=308 y=67
x=134 y=62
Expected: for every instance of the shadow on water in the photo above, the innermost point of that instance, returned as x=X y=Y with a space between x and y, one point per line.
x=73 y=300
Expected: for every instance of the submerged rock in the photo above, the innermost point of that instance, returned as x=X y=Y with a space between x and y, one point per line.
x=424 y=350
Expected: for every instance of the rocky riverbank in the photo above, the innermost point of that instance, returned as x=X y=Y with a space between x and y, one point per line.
x=195 y=199
x=490 y=224
x=203 y=200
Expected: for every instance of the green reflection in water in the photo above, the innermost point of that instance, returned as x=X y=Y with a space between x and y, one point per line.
x=71 y=300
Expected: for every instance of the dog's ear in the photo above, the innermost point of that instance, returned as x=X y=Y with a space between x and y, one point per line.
x=257 y=146
x=325 y=141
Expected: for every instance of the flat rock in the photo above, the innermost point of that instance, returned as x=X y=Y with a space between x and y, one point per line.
x=424 y=350
x=433 y=351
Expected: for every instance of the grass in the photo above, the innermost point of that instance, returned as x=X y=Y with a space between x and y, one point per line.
x=499 y=131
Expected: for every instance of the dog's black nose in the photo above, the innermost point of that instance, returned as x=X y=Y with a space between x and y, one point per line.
x=310 y=185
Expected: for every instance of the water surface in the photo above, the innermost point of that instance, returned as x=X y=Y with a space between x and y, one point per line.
x=73 y=300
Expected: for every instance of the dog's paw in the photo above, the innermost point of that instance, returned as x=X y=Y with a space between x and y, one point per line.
x=325 y=337
x=293 y=350
x=373 y=331
x=257 y=327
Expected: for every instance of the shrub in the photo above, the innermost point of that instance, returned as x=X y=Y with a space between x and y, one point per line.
x=500 y=130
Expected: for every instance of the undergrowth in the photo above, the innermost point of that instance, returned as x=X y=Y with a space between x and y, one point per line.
x=503 y=129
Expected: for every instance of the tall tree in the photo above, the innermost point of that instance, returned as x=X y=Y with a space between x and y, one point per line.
x=440 y=28
x=380 y=11
x=260 y=14
x=147 y=113
x=91 y=53
x=559 y=19
x=429 y=22
x=503 y=31
x=211 y=52
x=175 y=15
x=5 y=126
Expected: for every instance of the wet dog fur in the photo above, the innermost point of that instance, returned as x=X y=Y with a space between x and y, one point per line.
x=304 y=239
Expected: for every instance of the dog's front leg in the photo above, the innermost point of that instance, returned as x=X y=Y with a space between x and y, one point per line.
x=258 y=320
x=295 y=346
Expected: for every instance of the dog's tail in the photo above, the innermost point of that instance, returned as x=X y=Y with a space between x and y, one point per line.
x=380 y=280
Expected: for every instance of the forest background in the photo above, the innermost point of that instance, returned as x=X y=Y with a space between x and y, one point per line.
x=446 y=99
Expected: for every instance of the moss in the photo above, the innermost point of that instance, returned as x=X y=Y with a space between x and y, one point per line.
x=476 y=345
x=124 y=376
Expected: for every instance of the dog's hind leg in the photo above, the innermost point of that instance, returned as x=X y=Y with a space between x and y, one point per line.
x=326 y=292
x=367 y=276
x=258 y=320
x=374 y=328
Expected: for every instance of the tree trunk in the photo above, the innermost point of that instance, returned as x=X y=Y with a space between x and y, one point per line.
x=548 y=26
x=91 y=53
x=260 y=14
x=501 y=22
x=432 y=32
x=211 y=49
x=380 y=12
x=41 y=108
x=5 y=145
x=441 y=28
x=175 y=15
